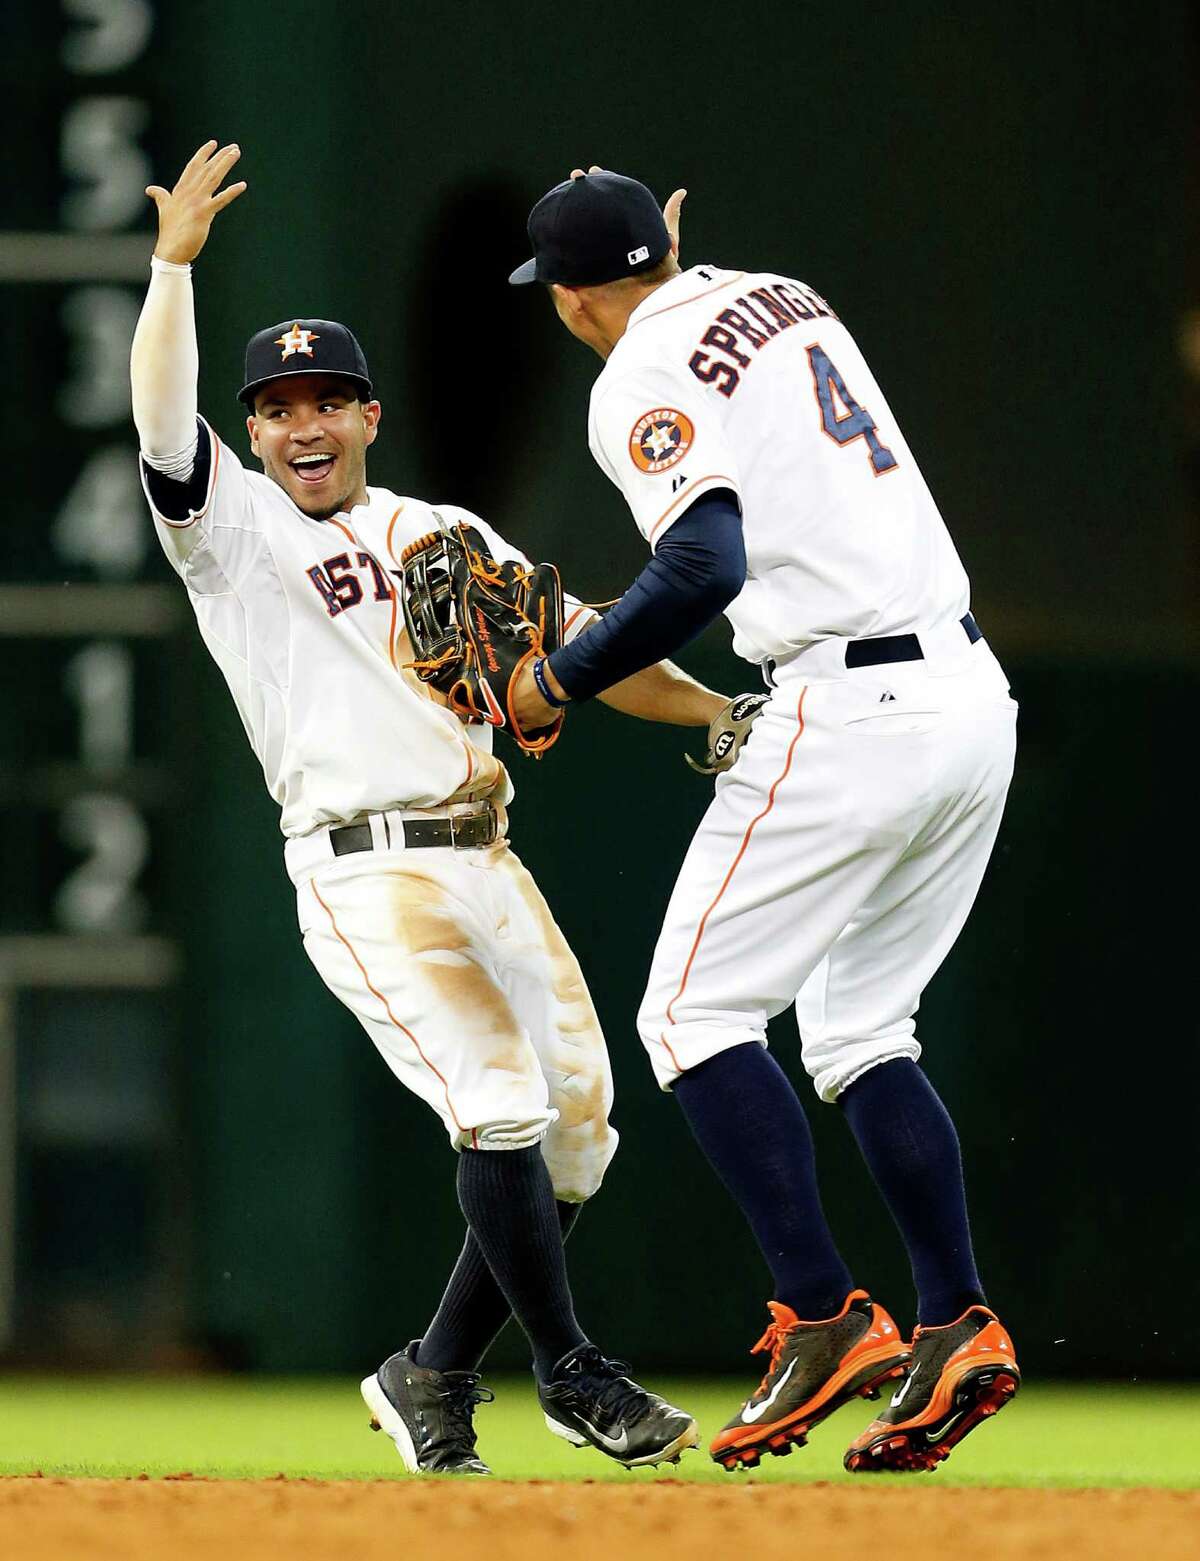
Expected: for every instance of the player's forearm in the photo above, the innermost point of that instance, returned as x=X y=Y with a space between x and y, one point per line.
x=699 y=568
x=164 y=365
x=664 y=692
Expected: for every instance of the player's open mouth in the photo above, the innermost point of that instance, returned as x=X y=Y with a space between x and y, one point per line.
x=313 y=468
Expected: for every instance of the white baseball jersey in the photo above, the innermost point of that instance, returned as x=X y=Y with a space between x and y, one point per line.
x=842 y=852
x=749 y=381
x=449 y=959
x=303 y=618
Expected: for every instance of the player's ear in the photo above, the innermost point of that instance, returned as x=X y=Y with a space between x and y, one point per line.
x=371 y=413
x=566 y=300
x=252 y=430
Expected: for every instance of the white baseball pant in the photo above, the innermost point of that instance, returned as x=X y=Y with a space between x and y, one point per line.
x=454 y=966
x=837 y=862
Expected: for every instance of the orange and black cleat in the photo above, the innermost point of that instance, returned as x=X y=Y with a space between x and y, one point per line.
x=815 y=1368
x=961 y=1374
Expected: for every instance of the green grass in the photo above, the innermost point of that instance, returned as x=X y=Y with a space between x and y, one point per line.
x=1052 y=1435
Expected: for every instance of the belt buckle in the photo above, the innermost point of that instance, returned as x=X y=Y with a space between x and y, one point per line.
x=465 y=821
x=461 y=821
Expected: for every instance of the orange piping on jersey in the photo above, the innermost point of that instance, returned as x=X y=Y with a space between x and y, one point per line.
x=354 y=541
x=728 y=876
x=182 y=525
x=666 y=308
x=687 y=494
x=390 y=529
x=394 y=591
x=572 y=618
x=387 y=1006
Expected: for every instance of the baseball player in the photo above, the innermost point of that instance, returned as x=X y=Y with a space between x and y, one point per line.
x=843 y=850
x=412 y=907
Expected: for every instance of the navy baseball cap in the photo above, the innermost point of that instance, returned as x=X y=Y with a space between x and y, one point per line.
x=597 y=228
x=302 y=347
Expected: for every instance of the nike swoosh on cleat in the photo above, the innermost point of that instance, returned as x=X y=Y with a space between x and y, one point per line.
x=936 y=1435
x=758 y=1410
x=615 y=1444
x=898 y=1397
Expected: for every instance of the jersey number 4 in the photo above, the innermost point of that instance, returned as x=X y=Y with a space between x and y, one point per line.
x=841 y=416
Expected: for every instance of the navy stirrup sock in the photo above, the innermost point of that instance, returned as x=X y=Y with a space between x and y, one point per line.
x=749 y=1121
x=909 y=1143
x=508 y=1200
x=472 y=1310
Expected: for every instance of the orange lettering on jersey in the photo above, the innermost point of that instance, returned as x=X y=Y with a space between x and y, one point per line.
x=659 y=439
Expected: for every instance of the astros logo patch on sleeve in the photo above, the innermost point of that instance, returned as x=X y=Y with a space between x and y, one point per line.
x=659 y=439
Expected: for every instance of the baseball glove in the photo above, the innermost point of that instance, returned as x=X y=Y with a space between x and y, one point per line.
x=727 y=731
x=474 y=623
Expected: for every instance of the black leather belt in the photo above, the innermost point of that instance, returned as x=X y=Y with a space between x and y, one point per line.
x=464 y=831
x=899 y=647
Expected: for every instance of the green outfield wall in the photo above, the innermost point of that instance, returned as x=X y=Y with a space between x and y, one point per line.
x=991 y=199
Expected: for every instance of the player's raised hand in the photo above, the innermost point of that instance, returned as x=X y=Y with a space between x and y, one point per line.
x=185 y=213
x=671 y=213
x=671 y=210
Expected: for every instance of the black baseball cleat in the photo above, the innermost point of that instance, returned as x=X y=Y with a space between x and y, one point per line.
x=427 y=1414
x=814 y=1368
x=592 y=1403
x=961 y=1375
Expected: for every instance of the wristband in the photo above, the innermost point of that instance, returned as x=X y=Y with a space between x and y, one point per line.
x=157 y=263
x=544 y=689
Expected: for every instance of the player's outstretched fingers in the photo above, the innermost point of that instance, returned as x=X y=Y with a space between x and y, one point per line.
x=198 y=159
x=217 y=170
x=231 y=194
x=186 y=213
x=577 y=173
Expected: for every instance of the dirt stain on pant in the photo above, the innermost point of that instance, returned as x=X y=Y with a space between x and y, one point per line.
x=581 y=1143
x=434 y=928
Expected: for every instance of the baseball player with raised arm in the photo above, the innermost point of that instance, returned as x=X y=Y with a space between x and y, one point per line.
x=843 y=850
x=413 y=909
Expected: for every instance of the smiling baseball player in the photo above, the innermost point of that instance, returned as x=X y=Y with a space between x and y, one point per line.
x=843 y=850
x=412 y=907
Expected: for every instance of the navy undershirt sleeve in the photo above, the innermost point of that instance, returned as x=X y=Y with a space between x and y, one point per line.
x=698 y=569
x=177 y=500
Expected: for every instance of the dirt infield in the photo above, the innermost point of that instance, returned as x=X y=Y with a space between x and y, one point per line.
x=182 y=1519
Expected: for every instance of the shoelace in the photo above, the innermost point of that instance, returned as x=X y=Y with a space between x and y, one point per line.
x=460 y=1399
x=773 y=1340
x=608 y=1382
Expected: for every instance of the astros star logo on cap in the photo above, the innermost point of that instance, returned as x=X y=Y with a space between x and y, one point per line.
x=296 y=340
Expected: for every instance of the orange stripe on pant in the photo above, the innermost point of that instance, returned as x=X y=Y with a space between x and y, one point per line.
x=388 y=1009
x=750 y=828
